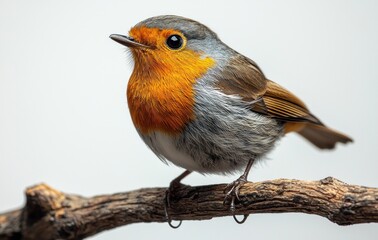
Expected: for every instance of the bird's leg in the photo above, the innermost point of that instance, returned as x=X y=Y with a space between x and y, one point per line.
x=233 y=190
x=175 y=184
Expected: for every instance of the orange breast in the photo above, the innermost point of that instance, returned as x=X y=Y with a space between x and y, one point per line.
x=160 y=91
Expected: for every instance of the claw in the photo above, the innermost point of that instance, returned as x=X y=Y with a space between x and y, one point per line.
x=243 y=220
x=166 y=207
x=173 y=226
x=232 y=208
x=233 y=192
x=174 y=185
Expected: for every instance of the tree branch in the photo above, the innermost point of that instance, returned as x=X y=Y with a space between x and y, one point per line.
x=51 y=214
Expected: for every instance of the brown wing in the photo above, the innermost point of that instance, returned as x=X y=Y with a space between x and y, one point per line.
x=283 y=105
x=244 y=78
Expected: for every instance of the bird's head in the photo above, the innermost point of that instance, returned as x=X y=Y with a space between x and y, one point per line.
x=171 y=54
x=171 y=44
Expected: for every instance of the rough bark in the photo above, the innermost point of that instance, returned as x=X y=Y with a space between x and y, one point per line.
x=51 y=214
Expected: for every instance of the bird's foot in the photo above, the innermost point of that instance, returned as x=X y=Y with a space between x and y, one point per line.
x=173 y=186
x=167 y=204
x=232 y=191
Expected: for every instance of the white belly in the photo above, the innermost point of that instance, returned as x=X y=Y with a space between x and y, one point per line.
x=164 y=146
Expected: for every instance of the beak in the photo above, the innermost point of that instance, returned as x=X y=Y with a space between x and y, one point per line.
x=127 y=41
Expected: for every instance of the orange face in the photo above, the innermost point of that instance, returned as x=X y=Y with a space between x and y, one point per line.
x=160 y=91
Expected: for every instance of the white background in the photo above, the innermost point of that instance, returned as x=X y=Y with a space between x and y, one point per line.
x=64 y=118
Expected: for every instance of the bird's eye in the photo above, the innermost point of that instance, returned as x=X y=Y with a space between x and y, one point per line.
x=174 y=41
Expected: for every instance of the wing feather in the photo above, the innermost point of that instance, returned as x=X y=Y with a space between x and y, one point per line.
x=244 y=78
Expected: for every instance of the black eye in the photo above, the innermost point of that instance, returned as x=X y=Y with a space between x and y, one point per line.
x=174 y=41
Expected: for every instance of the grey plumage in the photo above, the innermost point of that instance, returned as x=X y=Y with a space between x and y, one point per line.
x=226 y=134
x=190 y=28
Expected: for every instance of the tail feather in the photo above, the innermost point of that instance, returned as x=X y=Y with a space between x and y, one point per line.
x=322 y=136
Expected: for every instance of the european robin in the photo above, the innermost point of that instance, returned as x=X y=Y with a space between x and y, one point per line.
x=205 y=107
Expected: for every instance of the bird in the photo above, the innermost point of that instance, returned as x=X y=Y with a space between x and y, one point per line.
x=204 y=107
